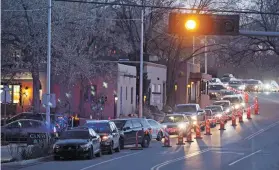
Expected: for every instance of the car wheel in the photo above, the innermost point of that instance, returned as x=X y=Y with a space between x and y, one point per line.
x=145 y=142
x=99 y=154
x=110 y=151
x=56 y=157
x=121 y=143
x=91 y=154
x=159 y=136
x=118 y=147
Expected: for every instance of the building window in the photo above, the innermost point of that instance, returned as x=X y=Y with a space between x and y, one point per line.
x=159 y=88
x=153 y=88
x=126 y=93
x=132 y=95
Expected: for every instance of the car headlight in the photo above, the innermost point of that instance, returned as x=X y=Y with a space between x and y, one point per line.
x=241 y=87
x=164 y=126
x=228 y=110
x=194 y=117
x=256 y=87
x=182 y=126
x=85 y=146
x=243 y=104
x=219 y=115
x=237 y=106
x=105 y=138
x=267 y=86
x=195 y=122
x=56 y=146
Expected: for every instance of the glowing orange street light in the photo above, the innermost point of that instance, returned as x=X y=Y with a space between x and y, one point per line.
x=191 y=24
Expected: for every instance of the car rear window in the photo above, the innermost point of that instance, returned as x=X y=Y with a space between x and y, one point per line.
x=173 y=119
x=99 y=127
x=224 y=104
x=75 y=134
x=120 y=123
x=232 y=99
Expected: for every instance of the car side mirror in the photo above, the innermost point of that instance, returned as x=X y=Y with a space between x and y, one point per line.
x=93 y=137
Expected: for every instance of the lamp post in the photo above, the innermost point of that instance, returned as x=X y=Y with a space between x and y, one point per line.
x=115 y=106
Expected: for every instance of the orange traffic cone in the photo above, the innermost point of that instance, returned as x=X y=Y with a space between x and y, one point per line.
x=180 y=139
x=167 y=140
x=207 y=128
x=222 y=124
x=240 y=117
x=233 y=119
x=198 y=132
x=189 y=136
x=256 y=106
x=249 y=113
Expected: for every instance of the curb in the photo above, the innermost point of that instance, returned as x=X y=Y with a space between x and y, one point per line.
x=25 y=162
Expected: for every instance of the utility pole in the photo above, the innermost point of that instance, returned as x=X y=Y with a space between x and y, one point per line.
x=205 y=54
x=48 y=62
x=141 y=63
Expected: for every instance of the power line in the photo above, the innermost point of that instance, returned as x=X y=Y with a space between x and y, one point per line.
x=172 y=8
x=22 y=10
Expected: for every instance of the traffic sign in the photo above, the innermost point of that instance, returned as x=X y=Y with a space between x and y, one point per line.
x=51 y=102
x=5 y=95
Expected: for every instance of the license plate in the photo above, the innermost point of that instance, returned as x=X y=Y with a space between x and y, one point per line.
x=172 y=130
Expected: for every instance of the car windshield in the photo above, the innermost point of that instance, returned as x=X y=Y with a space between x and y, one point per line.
x=119 y=123
x=173 y=119
x=235 y=82
x=225 y=79
x=224 y=104
x=216 y=87
x=77 y=134
x=185 y=108
x=213 y=81
x=214 y=109
x=99 y=127
x=232 y=99
x=252 y=82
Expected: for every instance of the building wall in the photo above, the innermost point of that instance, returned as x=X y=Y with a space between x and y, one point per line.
x=126 y=89
x=158 y=75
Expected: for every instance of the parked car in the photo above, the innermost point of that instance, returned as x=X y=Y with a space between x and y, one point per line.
x=193 y=112
x=78 y=142
x=157 y=129
x=109 y=134
x=18 y=130
x=129 y=127
x=175 y=123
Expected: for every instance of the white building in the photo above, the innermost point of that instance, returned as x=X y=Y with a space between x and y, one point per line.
x=126 y=89
x=157 y=74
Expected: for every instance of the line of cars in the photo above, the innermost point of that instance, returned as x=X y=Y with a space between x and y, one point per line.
x=91 y=139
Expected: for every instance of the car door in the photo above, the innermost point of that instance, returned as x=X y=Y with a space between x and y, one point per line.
x=137 y=126
x=95 y=139
x=128 y=132
x=155 y=128
x=11 y=131
x=115 y=134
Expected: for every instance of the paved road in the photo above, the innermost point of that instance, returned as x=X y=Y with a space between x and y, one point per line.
x=252 y=145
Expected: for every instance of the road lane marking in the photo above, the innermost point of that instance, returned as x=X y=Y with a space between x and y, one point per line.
x=158 y=166
x=238 y=153
x=261 y=131
x=244 y=157
x=110 y=160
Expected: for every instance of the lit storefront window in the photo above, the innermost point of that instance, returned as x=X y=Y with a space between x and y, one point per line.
x=16 y=93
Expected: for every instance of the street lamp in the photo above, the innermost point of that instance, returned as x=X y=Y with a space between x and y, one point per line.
x=190 y=24
x=115 y=106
